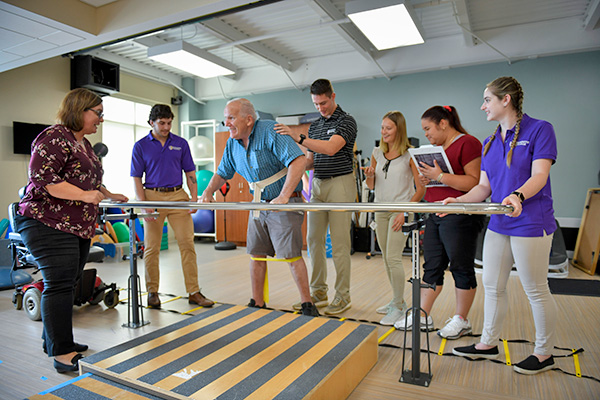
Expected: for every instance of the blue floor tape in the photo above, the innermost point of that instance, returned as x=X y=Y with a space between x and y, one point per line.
x=65 y=383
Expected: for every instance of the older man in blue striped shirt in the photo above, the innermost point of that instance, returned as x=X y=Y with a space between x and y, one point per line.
x=273 y=166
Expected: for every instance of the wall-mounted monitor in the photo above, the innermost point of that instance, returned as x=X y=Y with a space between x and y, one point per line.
x=23 y=135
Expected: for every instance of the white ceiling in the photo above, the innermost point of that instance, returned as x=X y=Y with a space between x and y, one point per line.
x=287 y=44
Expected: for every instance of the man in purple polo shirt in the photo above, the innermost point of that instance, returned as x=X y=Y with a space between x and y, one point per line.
x=161 y=156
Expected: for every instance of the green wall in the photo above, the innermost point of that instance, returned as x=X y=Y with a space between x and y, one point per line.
x=564 y=90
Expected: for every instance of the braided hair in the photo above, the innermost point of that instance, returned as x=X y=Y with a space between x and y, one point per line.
x=499 y=88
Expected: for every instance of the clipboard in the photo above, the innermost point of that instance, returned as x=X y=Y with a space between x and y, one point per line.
x=426 y=155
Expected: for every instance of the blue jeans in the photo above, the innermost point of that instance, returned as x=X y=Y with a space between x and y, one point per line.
x=61 y=257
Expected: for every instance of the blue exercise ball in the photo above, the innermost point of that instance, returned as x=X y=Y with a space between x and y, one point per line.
x=203 y=177
x=204 y=221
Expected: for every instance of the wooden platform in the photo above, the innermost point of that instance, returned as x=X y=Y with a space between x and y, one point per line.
x=233 y=352
x=88 y=386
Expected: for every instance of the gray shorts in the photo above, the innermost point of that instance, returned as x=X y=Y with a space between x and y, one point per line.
x=276 y=233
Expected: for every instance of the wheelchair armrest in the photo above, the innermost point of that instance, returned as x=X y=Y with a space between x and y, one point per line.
x=12 y=213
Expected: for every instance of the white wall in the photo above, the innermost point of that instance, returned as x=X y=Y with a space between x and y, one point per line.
x=33 y=94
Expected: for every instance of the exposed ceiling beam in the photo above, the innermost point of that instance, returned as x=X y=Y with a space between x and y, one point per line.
x=225 y=30
x=462 y=16
x=138 y=69
x=592 y=15
x=349 y=32
x=277 y=34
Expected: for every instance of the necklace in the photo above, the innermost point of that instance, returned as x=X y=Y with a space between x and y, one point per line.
x=447 y=143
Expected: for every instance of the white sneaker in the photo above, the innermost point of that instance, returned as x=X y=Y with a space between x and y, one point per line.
x=425 y=324
x=394 y=314
x=455 y=327
x=384 y=309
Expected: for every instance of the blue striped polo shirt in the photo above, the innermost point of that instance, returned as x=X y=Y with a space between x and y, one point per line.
x=268 y=153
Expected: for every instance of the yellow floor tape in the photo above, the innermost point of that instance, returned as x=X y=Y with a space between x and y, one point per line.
x=506 y=353
x=577 y=367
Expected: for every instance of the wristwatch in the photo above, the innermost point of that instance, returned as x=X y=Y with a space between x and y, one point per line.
x=302 y=137
x=519 y=195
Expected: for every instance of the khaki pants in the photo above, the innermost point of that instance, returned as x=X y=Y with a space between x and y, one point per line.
x=392 y=245
x=183 y=227
x=341 y=189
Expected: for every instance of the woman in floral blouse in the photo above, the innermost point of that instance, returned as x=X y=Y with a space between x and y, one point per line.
x=57 y=216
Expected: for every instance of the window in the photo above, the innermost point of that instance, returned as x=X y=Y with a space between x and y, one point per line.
x=125 y=122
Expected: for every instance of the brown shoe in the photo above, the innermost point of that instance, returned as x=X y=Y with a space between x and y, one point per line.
x=198 y=298
x=153 y=300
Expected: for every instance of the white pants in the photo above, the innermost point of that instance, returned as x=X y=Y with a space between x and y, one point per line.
x=531 y=257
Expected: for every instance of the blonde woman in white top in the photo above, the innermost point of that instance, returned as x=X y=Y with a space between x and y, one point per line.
x=395 y=179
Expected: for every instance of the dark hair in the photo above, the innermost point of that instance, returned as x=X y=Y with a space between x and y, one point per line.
x=321 y=86
x=500 y=87
x=438 y=113
x=159 y=111
x=70 y=113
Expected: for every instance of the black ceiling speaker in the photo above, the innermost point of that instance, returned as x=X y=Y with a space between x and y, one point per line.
x=95 y=74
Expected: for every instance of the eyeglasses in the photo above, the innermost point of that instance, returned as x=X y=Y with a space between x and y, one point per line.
x=386 y=167
x=228 y=119
x=99 y=113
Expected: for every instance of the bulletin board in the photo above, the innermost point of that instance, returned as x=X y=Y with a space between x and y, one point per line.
x=587 y=246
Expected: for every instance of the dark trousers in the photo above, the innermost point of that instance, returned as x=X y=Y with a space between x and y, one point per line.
x=451 y=241
x=61 y=257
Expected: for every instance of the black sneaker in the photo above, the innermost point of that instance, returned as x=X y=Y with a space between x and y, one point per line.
x=531 y=365
x=310 y=310
x=471 y=351
x=253 y=304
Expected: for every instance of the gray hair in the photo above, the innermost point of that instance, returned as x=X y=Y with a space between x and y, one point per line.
x=246 y=107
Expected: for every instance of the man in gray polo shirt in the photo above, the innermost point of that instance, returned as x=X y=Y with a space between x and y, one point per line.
x=330 y=143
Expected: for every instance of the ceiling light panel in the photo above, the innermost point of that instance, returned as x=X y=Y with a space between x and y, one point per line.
x=191 y=59
x=387 y=24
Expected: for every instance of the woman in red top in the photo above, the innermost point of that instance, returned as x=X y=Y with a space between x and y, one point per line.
x=57 y=216
x=451 y=240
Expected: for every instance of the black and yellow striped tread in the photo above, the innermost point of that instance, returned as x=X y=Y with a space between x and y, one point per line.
x=233 y=352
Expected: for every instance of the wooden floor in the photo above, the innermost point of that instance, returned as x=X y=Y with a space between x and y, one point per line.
x=25 y=370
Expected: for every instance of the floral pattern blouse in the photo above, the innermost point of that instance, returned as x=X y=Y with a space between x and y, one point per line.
x=56 y=156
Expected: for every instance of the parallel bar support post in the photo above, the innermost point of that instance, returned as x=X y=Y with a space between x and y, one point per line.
x=135 y=314
x=416 y=377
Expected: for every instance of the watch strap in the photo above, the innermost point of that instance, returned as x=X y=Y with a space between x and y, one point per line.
x=519 y=195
